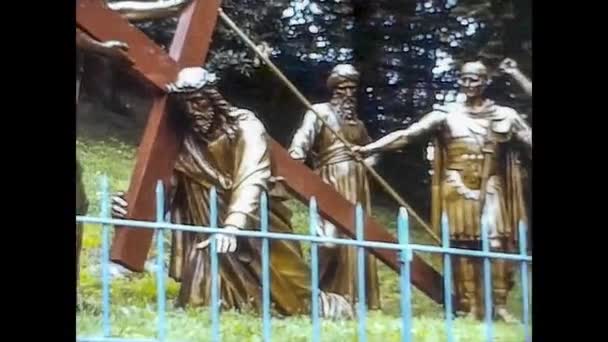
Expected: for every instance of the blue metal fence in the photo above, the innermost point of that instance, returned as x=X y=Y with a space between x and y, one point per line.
x=406 y=249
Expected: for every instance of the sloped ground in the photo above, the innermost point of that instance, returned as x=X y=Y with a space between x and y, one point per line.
x=106 y=145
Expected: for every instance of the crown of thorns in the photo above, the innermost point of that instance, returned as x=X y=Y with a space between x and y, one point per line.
x=191 y=80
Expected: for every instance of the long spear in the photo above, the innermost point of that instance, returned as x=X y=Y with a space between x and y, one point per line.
x=308 y=105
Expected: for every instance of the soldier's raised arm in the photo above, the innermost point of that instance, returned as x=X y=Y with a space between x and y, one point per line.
x=509 y=67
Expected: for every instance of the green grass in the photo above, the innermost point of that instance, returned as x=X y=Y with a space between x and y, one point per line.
x=133 y=298
x=193 y=325
x=111 y=158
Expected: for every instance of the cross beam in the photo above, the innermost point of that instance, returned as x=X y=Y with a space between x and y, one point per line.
x=304 y=184
x=160 y=143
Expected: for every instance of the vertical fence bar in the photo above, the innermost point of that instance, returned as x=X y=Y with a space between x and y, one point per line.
x=105 y=258
x=361 y=273
x=524 y=280
x=447 y=278
x=405 y=278
x=215 y=300
x=487 y=279
x=160 y=261
x=314 y=263
x=265 y=269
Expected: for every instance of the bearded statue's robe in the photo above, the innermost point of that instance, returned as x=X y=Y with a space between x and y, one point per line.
x=460 y=139
x=238 y=166
x=335 y=166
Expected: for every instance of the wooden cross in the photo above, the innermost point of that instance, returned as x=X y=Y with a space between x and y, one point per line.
x=160 y=143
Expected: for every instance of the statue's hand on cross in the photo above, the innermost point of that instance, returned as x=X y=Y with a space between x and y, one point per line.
x=117 y=51
x=113 y=49
x=119 y=205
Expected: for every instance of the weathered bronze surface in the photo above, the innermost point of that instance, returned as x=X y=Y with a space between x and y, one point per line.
x=159 y=148
x=227 y=148
x=337 y=167
x=479 y=180
x=304 y=184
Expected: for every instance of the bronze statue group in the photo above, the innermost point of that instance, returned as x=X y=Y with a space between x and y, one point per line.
x=478 y=183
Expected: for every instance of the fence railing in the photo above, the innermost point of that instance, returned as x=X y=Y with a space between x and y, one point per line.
x=404 y=246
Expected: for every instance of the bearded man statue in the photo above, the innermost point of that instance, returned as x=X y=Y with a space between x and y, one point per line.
x=227 y=148
x=337 y=167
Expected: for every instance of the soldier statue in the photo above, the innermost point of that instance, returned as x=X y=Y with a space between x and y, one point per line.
x=477 y=182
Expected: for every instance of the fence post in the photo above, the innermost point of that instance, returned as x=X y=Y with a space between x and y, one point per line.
x=524 y=280
x=361 y=273
x=447 y=277
x=215 y=301
x=314 y=263
x=405 y=278
x=487 y=278
x=105 y=257
x=265 y=269
x=160 y=261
